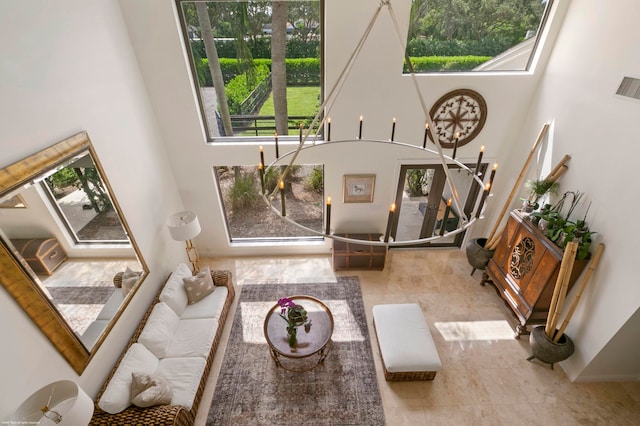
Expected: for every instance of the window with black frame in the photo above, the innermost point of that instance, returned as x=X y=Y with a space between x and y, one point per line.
x=471 y=35
x=265 y=54
x=250 y=219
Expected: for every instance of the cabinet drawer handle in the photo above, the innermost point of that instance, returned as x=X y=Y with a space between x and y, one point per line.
x=53 y=254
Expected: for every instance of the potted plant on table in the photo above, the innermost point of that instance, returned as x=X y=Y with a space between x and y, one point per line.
x=295 y=315
x=578 y=232
x=537 y=189
x=562 y=230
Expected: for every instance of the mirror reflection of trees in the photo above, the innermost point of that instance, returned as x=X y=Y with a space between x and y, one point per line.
x=83 y=203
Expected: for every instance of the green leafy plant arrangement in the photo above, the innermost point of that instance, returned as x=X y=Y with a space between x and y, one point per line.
x=537 y=189
x=578 y=232
x=561 y=230
x=295 y=316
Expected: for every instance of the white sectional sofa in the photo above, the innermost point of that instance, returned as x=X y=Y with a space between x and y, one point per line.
x=174 y=345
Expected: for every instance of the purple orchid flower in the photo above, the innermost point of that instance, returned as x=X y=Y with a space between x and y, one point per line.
x=285 y=303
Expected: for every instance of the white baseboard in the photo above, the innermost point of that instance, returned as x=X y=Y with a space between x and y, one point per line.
x=608 y=378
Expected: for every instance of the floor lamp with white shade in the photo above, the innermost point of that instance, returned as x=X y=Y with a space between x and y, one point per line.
x=184 y=226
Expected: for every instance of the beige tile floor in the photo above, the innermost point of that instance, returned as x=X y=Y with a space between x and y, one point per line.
x=485 y=378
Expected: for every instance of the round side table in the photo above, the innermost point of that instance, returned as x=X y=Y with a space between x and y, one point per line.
x=310 y=344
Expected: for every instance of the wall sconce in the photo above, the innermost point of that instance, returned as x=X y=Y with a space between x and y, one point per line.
x=184 y=226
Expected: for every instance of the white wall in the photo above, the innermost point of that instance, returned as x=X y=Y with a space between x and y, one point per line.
x=67 y=66
x=597 y=46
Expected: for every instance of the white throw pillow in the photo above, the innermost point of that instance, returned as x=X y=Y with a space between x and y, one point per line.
x=148 y=390
x=209 y=307
x=199 y=286
x=129 y=280
x=173 y=293
x=159 y=329
x=117 y=395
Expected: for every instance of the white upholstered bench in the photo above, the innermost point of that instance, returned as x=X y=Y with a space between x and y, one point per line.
x=406 y=347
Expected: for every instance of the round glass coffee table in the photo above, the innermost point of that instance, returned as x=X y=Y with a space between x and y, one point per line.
x=311 y=346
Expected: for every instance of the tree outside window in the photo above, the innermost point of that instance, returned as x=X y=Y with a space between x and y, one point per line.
x=266 y=56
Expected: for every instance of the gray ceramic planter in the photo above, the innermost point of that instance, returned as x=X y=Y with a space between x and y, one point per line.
x=546 y=350
x=477 y=255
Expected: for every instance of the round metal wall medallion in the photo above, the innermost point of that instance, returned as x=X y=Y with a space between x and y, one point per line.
x=460 y=112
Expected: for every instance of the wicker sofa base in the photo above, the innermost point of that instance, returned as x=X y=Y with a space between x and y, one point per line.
x=398 y=376
x=409 y=375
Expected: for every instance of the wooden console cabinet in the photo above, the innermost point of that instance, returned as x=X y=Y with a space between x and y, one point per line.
x=347 y=255
x=524 y=270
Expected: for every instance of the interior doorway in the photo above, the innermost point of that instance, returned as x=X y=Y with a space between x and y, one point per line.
x=421 y=202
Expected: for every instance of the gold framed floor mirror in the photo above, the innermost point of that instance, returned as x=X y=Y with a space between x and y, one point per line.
x=60 y=251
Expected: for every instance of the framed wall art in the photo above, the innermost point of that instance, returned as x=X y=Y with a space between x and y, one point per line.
x=358 y=188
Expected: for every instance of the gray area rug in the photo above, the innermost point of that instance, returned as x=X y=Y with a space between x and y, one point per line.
x=80 y=295
x=251 y=390
x=80 y=305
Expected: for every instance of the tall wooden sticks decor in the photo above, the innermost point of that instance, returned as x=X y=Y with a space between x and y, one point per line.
x=561 y=288
x=492 y=239
x=554 y=175
x=585 y=279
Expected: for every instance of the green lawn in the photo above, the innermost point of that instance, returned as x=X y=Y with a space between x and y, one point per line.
x=302 y=100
